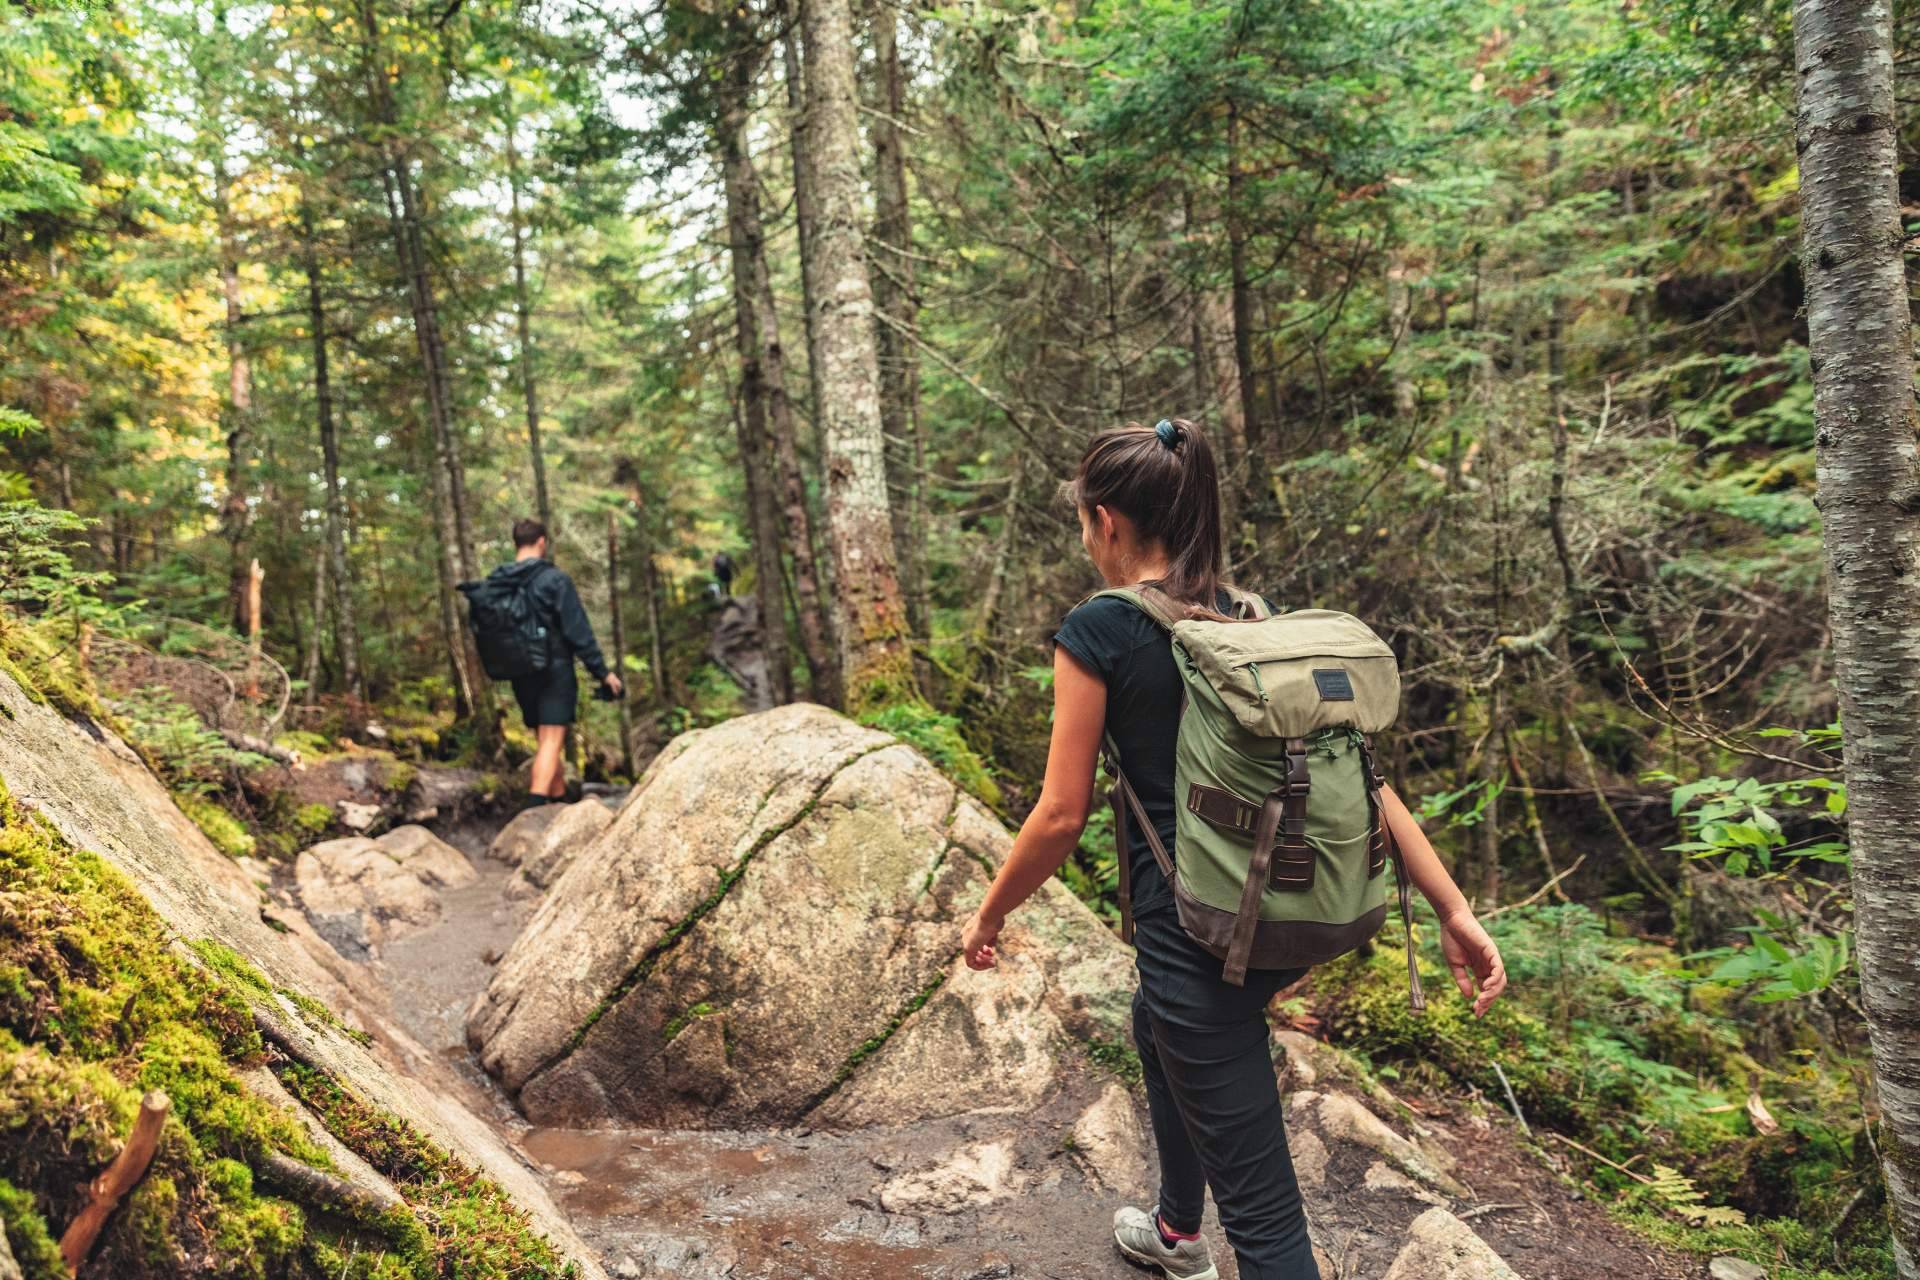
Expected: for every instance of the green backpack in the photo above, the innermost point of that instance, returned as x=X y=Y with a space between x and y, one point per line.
x=1280 y=849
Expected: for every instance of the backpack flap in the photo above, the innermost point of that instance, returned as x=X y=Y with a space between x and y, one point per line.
x=1289 y=675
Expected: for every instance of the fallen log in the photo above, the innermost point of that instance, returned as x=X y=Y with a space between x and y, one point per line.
x=260 y=747
x=120 y=1177
x=324 y=1190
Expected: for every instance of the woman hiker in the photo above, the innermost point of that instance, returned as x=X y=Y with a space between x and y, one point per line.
x=1149 y=505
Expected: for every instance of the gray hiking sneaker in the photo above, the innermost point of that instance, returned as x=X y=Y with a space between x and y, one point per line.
x=1138 y=1239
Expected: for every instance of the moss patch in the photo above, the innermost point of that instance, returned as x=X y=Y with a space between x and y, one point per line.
x=681 y=1021
x=46 y=668
x=937 y=736
x=312 y=819
x=228 y=834
x=466 y=1226
x=33 y=1245
x=96 y=1007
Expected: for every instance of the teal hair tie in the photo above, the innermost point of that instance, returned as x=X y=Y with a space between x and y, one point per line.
x=1168 y=433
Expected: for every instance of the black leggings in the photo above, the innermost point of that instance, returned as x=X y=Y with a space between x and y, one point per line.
x=1215 y=1105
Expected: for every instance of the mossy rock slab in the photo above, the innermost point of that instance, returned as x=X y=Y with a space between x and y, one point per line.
x=98 y=797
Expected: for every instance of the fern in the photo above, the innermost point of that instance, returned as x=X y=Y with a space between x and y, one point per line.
x=1678 y=1195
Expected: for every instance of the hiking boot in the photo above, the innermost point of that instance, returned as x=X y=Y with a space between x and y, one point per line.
x=1138 y=1238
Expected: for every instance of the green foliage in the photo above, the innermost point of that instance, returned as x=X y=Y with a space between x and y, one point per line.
x=1785 y=832
x=192 y=759
x=937 y=736
x=1116 y=1057
x=1603 y=1039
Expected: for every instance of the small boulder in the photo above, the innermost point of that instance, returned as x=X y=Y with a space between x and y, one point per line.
x=1109 y=1144
x=522 y=834
x=358 y=892
x=967 y=1178
x=9 y=1269
x=543 y=841
x=358 y=817
x=1441 y=1247
x=1731 y=1268
x=428 y=856
x=1342 y=1118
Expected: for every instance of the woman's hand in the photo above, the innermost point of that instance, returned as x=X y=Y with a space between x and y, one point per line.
x=977 y=939
x=1473 y=958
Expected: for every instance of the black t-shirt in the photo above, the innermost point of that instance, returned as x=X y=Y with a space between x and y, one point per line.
x=1134 y=658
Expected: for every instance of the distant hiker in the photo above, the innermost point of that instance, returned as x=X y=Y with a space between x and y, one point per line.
x=1270 y=857
x=723 y=572
x=529 y=626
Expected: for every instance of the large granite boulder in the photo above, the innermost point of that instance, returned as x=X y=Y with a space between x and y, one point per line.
x=769 y=931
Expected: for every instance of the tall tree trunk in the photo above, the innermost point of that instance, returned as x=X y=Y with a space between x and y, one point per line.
x=875 y=658
x=744 y=236
x=899 y=312
x=346 y=627
x=1860 y=337
x=462 y=669
x=1256 y=497
x=619 y=623
x=472 y=696
x=785 y=480
x=1399 y=332
x=236 y=513
x=805 y=213
x=310 y=668
x=646 y=578
x=523 y=315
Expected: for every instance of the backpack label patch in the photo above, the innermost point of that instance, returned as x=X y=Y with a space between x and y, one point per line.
x=1333 y=683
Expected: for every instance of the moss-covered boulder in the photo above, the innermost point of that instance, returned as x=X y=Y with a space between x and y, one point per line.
x=135 y=956
x=769 y=930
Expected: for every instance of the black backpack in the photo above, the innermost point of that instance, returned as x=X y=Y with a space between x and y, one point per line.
x=509 y=629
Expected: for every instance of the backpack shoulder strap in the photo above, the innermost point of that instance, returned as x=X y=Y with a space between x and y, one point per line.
x=1246 y=604
x=1140 y=600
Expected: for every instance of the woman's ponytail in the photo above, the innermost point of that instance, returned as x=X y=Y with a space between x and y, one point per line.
x=1163 y=479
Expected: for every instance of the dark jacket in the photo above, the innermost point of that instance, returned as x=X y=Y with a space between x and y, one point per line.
x=559 y=603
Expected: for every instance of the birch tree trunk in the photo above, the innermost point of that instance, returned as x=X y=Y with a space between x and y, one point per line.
x=869 y=615
x=898 y=308
x=1860 y=337
x=744 y=237
x=805 y=216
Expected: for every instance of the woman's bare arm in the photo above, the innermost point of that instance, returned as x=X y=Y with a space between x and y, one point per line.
x=1051 y=831
x=1470 y=953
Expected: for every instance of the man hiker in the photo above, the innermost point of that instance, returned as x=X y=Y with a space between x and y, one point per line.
x=529 y=626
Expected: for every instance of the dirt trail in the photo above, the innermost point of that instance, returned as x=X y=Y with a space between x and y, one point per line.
x=780 y=1205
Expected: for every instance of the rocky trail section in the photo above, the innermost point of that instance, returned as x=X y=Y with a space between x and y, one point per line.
x=748 y=1049
x=731 y=1007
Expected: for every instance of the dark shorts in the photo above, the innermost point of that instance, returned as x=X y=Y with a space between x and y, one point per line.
x=549 y=697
